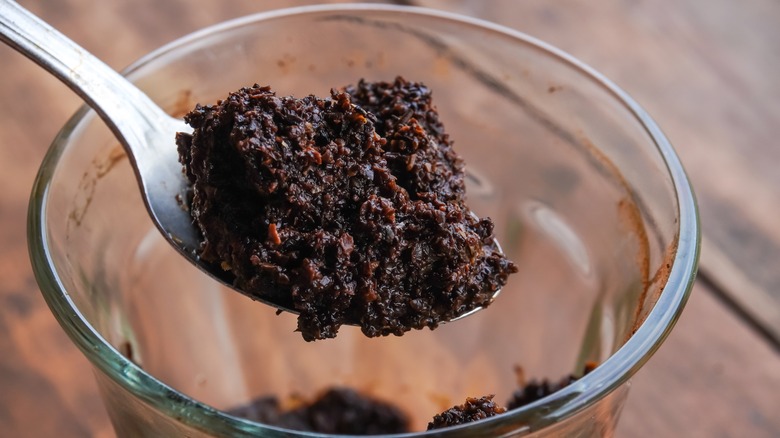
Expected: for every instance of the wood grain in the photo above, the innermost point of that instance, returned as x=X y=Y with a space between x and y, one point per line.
x=712 y=377
x=707 y=71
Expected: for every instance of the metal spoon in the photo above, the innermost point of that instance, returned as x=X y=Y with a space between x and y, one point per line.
x=145 y=131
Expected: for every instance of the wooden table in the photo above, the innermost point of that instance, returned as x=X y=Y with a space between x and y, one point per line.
x=707 y=71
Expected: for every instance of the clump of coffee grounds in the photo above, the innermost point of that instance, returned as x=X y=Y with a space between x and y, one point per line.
x=337 y=411
x=474 y=409
x=348 y=209
x=533 y=390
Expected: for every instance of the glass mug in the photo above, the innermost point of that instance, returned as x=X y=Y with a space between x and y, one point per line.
x=588 y=198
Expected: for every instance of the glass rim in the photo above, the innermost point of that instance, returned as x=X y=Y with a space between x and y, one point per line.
x=609 y=375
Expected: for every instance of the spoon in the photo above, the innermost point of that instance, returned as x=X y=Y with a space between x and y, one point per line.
x=145 y=131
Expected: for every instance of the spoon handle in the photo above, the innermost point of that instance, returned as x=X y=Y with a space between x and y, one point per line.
x=130 y=114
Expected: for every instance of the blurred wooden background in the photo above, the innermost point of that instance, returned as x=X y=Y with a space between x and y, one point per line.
x=708 y=72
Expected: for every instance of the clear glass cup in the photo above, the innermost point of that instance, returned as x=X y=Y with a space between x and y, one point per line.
x=588 y=197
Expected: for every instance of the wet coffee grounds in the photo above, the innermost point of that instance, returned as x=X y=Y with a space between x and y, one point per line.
x=348 y=209
x=344 y=410
x=337 y=411
x=535 y=389
x=474 y=409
